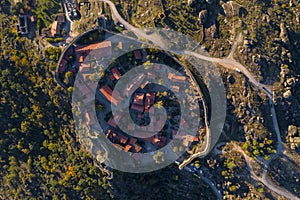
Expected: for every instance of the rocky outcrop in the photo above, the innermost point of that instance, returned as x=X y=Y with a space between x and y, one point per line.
x=298 y=17
x=213 y=31
x=203 y=17
x=287 y=94
x=292 y=131
x=192 y=2
x=284 y=34
x=233 y=9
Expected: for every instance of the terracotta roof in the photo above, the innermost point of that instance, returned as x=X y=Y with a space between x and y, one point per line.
x=116 y=73
x=123 y=139
x=132 y=141
x=127 y=148
x=112 y=78
x=139 y=99
x=107 y=92
x=101 y=49
x=152 y=139
x=175 y=88
x=80 y=59
x=162 y=141
x=177 y=78
x=120 y=45
x=84 y=68
x=137 y=147
x=112 y=122
x=137 y=107
x=196 y=139
x=158 y=140
x=108 y=133
x=55 y=29
x=119 y=147
x=91 y=47
x=150 y=98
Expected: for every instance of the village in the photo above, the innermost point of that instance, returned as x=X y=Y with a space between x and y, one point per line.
x=257 y=153
x=88 y=59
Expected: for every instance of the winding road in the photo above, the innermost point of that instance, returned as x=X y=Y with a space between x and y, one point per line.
x=230 y=64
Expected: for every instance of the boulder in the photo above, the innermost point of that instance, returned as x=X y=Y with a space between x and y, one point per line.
x=287 y=94
x=298 y=17
x=213 y=31
x=233 y=9
x=292 y=130
x=203 y=15
x=291 y=81
x=284 y=34
x=248 y=42
x=192 y=2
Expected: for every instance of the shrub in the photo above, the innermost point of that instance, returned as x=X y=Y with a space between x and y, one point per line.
x=50 y=40
x=57 y=40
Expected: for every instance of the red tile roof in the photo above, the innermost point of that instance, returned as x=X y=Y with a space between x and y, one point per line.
x=112 y=78
x=127 y=148
x=137 y=147
x=176 y=78
x=150 y=98
x=107 y=92
x=80 y=59
x=105 y=45
x=132 y=141
x=123 y=139
x=98 y=50
x=139 y=99
x=137 y=107
x=162 y=141
x=84 y=68
x=175 y=88
x=116 y=73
